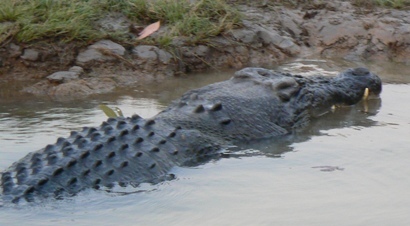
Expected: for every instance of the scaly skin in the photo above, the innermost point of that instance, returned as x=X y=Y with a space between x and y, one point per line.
x=256 y=103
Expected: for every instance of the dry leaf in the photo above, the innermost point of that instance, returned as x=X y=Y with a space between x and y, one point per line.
x=149 y=30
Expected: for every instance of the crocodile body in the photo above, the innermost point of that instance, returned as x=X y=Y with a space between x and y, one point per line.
x=256 y=103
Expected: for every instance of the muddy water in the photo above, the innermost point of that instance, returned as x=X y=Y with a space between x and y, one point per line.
x=350 y=167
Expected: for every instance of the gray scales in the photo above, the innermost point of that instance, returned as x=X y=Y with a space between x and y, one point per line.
x=255 y=103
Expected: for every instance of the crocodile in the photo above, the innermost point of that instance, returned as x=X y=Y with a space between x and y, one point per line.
x=256 y=103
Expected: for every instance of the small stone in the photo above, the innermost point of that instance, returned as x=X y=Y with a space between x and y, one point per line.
x=146 y=52
x=15 y=50
x=76 y=69
x=245 y=36
x=164 y=56
x=30 y=54
x=93 y=52
x=62 y=76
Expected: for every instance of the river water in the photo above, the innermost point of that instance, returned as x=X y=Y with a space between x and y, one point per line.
x=350 y=167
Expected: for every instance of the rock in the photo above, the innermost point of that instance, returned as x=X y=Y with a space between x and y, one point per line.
x=244 y=36
x=63 y=76
x=286 y=44
x=14 y=50
x=77 y=69
x=288 y=22
x=146 y=52
x=94 y=53
x=82 y=88
x=30 y=54
x=151 y=55
x=109 y=45
x=164 y=56
x=197 y=58
x=39 y=89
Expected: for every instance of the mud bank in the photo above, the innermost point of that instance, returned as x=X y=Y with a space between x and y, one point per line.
x=269 y=35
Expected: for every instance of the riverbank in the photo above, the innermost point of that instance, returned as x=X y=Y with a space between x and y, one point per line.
x=265 y=35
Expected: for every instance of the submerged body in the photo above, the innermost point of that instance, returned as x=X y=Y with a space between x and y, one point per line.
x=256 y=103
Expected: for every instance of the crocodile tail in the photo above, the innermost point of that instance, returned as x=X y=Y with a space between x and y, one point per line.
x=121 y=151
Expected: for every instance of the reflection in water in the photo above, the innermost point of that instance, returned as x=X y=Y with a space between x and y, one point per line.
x=344 y=116
x=281 y=183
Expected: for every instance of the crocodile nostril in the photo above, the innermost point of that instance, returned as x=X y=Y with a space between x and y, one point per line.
x=285 y=83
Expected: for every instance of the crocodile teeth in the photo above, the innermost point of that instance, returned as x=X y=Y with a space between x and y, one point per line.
x=366 y=94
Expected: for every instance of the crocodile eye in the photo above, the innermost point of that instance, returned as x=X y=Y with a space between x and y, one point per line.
x=360 y=71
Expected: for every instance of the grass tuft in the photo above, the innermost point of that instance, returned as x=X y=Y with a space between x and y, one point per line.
x=77 y=19
x=397 y=4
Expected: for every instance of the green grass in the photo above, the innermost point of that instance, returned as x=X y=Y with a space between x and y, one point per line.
x=397 y=4
x=75 y=20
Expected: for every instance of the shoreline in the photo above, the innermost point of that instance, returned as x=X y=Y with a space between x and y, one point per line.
x=269 y=35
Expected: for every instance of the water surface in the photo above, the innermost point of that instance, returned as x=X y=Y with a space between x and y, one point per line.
x=348 y=168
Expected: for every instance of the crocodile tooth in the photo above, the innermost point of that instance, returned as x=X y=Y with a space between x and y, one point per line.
x=366 y=94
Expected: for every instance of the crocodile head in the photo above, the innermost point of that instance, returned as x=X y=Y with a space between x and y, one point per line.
x=347 y=88
x=291 y=100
